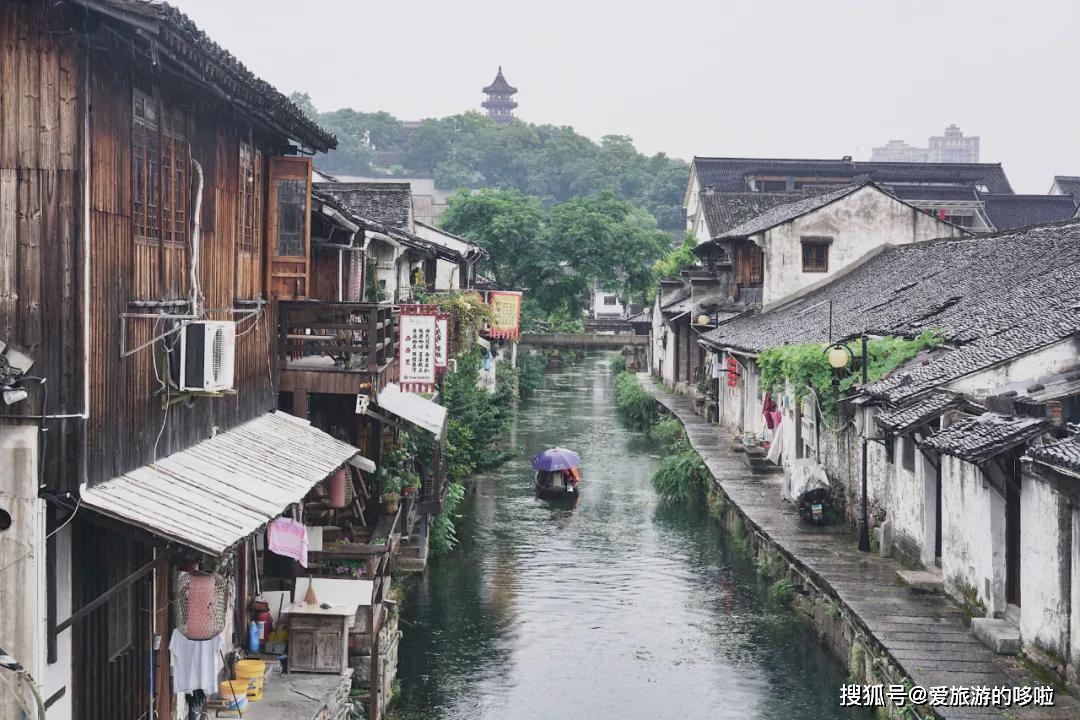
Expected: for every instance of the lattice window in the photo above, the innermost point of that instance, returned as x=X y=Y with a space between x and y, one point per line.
x=249 y=223
x=291 y=217
x=160 y=165
x=146 y=158
x=757 y=266
x=815 y=256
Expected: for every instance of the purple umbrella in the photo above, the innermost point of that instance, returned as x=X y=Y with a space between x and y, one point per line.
x=557 y=458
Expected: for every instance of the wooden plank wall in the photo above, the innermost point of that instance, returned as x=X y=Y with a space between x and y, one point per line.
x=126 y=410
x=40 y=207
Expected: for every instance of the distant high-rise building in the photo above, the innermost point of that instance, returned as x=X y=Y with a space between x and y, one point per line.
x=500 y=103
x=952 y=147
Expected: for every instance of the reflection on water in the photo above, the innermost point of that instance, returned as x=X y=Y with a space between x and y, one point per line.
x=617 y=608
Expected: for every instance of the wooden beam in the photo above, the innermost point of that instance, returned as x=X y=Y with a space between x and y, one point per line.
x=104 y=597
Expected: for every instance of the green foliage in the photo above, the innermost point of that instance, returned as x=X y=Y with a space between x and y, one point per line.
x=479 y=412
x=806 y=366
x=443 y=536
x=471 y=151
x=635 y=405
x=675 y=260
x=667 y=433
x=559 y=256
x=782 y=592
x=682 y=474
x=508 y=225
x=618 y=364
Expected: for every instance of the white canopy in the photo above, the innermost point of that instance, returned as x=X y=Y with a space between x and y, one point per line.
x=417 y=410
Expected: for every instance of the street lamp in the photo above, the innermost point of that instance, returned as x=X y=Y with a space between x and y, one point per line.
x=840 y=356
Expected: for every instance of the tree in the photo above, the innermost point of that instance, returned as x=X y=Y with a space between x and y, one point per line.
x=303 y=101
x=507 y=224
x=607 y=242
x=676 y=260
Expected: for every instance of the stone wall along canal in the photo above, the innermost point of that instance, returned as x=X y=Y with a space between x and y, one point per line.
x=618 y=608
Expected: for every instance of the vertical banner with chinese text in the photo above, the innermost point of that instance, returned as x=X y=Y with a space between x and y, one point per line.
x=506 y=314
x=442 y=341
x=417 y=330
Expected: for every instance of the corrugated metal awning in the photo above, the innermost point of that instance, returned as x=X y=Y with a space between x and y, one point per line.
x=213 y=494
x=417 y=410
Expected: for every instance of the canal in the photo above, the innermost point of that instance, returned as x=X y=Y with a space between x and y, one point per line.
x=619 y=608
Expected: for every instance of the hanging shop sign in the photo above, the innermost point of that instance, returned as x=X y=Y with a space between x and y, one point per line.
x=506 y=314
x=416 y=348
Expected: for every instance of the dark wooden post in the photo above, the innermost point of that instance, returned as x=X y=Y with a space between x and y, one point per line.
x=373 y=340
x=300 y=403
x=162 y=694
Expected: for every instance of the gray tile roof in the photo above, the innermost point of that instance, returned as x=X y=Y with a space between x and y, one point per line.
x=933 y=192
x=1009 y=212
x=779 y=214
x=980 y=438
x=388 y=204
x=1069 y=184
x=991 y=298
x=726 y=210
x=1063 y=455
x=902 y=419
x=206 y=61
x=729 y=174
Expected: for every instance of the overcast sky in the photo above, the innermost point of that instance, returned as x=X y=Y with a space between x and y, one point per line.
x=757 y=78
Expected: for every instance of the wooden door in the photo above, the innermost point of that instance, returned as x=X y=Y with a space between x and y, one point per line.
x=289 y=223
x=302 y=650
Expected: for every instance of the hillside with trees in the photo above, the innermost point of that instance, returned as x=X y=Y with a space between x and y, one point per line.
x=553 y=164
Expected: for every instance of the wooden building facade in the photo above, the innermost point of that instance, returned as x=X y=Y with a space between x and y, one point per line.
x=147 y=180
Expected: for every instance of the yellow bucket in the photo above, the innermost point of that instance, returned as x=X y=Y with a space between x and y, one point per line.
x=253 y=672
x=234 y=693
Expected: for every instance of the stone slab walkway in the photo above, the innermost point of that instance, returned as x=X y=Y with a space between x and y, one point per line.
x=926 y=636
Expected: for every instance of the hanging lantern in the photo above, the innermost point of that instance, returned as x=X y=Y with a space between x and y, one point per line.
x=202 y=604
x=336 y=486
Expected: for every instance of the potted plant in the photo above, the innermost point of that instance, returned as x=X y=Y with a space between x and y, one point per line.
x=390 y=502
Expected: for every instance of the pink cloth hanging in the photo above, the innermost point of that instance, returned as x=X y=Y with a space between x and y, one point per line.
x=288 y=538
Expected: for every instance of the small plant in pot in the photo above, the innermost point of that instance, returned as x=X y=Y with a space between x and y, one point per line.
x=390 y=484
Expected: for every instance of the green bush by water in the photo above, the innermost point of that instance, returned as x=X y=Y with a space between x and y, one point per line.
x=618 y=364
x=635 y=405
x=682 y=474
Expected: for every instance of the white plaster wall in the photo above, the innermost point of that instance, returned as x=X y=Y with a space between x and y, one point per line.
x=1045 y=539
x=904 y=504
x=670 y=358
x=22 y=581
x=1057 y=358
x=1074 y=614
x=446 y=275
x=972 y=533
x=601 y=310
x=656 y=357
x=856 y=223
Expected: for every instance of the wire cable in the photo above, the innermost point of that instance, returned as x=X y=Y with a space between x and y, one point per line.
x=30 y=552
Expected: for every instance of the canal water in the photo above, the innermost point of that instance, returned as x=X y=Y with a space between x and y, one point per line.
x=618 y=608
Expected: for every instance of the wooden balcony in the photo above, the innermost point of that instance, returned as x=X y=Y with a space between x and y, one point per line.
x=336 y=348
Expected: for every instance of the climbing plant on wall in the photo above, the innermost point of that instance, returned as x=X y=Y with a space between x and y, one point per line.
x=806 y=366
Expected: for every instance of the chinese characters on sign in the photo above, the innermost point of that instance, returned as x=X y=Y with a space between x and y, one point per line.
x=506 y=314
x=416 y=352
x=998 y=696
x=442 y=340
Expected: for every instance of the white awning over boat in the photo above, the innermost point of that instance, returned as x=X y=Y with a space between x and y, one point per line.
x=214 y=494
x=417 y=410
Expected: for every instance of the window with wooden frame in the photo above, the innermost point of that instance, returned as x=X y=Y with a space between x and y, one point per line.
x=815 y=255
x=757 y=266
x=160 y=172
x=249 y=224
x=120 y=608
x=145 y=170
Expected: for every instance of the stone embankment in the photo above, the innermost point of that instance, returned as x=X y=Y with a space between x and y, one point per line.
x=885 y=633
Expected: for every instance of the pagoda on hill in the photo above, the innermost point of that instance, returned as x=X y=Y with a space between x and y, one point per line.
x=500 y=103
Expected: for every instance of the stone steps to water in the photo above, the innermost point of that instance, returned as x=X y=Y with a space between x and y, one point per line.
x=945 y=653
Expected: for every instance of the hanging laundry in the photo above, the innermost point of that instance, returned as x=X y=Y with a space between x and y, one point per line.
x=288 y=538
x=769 y=409
x=194 y=663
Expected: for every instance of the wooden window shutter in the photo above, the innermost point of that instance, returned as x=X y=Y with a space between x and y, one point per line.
x=289 y=224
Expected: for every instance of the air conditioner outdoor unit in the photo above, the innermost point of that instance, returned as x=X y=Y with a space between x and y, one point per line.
x=207 y=356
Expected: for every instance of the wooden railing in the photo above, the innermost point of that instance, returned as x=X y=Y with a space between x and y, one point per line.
x=356 y=337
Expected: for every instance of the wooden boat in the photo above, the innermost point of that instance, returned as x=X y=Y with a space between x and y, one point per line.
x=558 y=484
